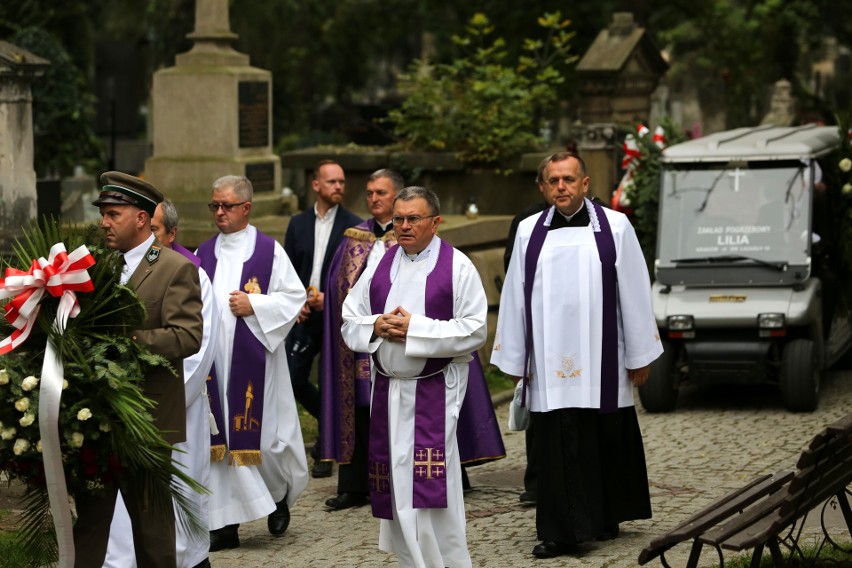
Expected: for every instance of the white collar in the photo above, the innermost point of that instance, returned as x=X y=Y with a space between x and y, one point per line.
x=133 y=257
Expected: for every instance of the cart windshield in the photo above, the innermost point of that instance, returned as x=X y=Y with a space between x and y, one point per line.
x=736 y=215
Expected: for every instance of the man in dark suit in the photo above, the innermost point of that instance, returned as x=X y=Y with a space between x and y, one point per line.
x=311 y=240
x=168 y=285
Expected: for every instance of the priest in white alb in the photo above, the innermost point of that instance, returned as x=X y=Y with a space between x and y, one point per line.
x=258 y=465
x=577 y=324
x=420 y=313
x=193 y=454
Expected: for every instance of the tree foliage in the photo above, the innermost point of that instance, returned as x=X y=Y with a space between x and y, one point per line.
x=328 y=59
x=732 y=51
x=480 y=105
x=63 y=109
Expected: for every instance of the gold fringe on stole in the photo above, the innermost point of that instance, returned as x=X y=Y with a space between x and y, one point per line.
x=217 y=453
x=244 y=457
x=359 y=234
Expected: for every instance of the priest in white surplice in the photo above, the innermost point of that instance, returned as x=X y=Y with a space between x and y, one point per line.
x=588 y=308
x=420 y=312
x=194 y=454
x=258 y=464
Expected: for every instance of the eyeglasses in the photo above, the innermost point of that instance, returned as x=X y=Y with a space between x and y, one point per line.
x=413 y=220
x=213 y=207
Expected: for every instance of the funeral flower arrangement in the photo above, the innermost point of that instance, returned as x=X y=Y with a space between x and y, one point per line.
x=103 y=419
x=638 y=192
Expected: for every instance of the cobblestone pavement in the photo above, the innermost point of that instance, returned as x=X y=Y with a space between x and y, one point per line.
x=716 y=440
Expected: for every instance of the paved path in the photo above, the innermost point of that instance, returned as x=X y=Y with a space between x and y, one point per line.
x=716 y=441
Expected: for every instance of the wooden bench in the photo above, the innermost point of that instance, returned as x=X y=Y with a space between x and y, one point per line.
x=771 y=510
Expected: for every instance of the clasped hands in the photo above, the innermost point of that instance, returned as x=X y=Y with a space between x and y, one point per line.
x=393 y=326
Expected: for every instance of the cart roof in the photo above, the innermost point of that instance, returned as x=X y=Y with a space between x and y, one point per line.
x=757 y=143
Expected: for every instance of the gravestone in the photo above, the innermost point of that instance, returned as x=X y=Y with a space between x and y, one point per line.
x=212 y=116
x=782 y=111
x=616 y=76
x=18 y=197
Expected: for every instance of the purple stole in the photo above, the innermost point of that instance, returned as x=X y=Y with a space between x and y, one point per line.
x=606 y=251
x=430 y=482
x=187 y=253
x=248 y=365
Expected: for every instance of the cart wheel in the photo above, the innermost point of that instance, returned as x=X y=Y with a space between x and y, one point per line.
x=659 y=393
x=799 y=380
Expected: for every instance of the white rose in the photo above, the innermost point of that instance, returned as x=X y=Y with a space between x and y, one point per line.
x=22 y=404
x=104 y=427
x=77 y=439
x=64 y=384
x=8 y=433
x=4 y=377
x=84 y=414
x=29 y=383
x=27 y=419
x=847 y=189
x=38 y=446
x=21 y=446
x=845 y=164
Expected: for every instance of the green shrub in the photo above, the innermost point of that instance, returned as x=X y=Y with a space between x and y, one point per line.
x=480 y=106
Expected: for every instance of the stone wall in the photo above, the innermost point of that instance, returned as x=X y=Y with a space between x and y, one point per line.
x=495 y=193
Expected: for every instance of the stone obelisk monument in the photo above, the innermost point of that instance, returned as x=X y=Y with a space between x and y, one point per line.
x=212 y=116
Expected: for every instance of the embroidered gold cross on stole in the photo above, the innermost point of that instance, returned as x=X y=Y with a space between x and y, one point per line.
x=431 y=463
x=379 y=477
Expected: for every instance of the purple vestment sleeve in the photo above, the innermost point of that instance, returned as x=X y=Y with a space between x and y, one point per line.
x=478 y=431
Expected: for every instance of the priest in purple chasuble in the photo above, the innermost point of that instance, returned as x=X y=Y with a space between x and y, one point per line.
x=258 y=463
x=577 y=324
x=420 y=313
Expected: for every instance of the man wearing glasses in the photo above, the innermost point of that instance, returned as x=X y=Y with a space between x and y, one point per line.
x=258 y=465
x=420 y=313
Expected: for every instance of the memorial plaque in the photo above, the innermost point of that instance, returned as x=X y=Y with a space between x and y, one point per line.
x=261 y=175
x=254 y=113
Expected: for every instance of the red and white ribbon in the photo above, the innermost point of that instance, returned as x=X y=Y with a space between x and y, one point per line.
x=61 y=275
x=659 y=137
x=631 y=152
